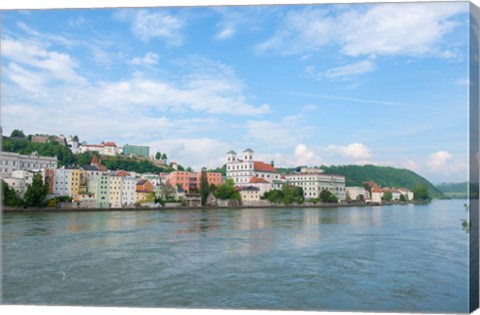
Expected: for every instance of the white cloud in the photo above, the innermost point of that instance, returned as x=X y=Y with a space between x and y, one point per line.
x=413 y=29
x=305 y=156
x=353 y=150
x=150 y=58
x=287 y=132
x=411 y=165
x=153 y=24
x=194 y=152
x=225 y=33
x=51 y=64
x=350 y=69
x=438 y=160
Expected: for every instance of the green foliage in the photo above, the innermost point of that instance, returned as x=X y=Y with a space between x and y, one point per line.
x=227 y=190
x=36 y=193
x=288 y=195
x=314 y=200
x=158 y=156
x=131 y=165
x=64 y=155
x=387 y=196
x=420 y=193
x=274 y=196
x=10 y=197
x=164 y=156
x=204 y=188
x=327 y=196
x=17 y=133
x=403 y=198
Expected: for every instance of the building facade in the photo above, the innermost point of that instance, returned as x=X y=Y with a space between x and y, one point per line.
x=242 y=170
x=136 y=150
x=14 y=162
x=313 y=183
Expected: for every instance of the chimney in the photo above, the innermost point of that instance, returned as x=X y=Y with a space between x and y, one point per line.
x=272 y=163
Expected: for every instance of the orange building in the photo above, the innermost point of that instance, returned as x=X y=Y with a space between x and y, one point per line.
x=49 y=177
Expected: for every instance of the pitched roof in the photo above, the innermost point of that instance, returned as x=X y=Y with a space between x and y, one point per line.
x=90 y=168
x=256 y=180
x=109 y=144
x=122 y=173
x=94 y=160
x=231 y=152
x=263 y=167
x=248 y=150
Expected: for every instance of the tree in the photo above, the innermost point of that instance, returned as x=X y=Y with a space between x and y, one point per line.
x=420 y=193
x=164 y=157
x=274 y=196
x=158 y=156
x=327 y=196
x=36 y=193
x=387 y=196
x=189 y=169
x=75 y=138
x=10 y=197
x=292 y=194
x=347 y=197
x=227 y=190
x=17 y=133
x=204 y=189
x=403 y=198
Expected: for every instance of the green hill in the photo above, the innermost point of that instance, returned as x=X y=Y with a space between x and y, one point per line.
x=454 y=190
x=355 y=175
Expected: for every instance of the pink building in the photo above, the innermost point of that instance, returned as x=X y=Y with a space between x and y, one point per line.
x=190 y=181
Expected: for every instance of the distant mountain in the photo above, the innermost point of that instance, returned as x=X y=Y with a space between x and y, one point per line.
x=355 y=175
x=454 y=190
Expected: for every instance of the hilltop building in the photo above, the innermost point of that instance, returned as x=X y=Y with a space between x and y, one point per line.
x=243 y=170
x=136 y=150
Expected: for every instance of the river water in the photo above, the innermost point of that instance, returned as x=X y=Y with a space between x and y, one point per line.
x=390 y=258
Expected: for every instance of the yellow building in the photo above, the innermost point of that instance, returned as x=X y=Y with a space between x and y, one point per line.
x=115 y=191
x=78 y=184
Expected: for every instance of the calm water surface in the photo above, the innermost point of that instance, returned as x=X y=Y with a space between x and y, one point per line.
x=392 y=258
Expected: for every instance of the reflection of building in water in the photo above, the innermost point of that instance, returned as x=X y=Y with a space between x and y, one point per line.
x=309 y=233
x=252 y=219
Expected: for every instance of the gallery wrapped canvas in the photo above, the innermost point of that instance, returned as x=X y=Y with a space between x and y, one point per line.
x=299 y=157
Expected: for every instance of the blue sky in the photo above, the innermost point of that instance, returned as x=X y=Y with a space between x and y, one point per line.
x=383 y=84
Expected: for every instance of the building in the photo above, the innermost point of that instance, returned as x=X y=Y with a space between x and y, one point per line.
x=11 y=162
x=190 y=181
x=115 y=191
x=249 y=194
x=313 y=183
x=143 y=189
x=357 y=193
x=136 y=150
x=105 y=148
x=62 y=182
x=261 y=184
x=241 y=171
x=20 y=180
x=100 y=187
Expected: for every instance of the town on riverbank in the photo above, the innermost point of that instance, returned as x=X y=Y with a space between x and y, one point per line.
x=37 y=181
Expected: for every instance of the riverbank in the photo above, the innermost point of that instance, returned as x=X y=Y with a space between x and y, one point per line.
x=318 y=205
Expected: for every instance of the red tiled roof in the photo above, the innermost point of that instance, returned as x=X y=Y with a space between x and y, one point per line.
x=122 y=173
x=263 y=167
x=95 y=145
x=109 y=144
x=256 y=180
x=94 y=160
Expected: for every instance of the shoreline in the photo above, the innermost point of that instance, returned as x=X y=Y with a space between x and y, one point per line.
x=133 y=209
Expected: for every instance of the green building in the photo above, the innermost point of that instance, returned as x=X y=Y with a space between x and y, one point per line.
x=136 y=150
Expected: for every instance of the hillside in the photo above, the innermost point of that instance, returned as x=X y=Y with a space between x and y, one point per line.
x=355 y=175
x=454 y=190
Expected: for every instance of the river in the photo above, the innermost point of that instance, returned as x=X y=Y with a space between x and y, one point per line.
x=391 y=258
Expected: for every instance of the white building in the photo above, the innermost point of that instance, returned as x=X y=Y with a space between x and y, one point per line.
x=313 y=183
x=62 y=182
x=357 y=193
x=105 y=148
x=243 y=170
x=11 y=162
x=129 y=186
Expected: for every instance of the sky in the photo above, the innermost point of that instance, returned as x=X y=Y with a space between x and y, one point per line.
x=382 y=84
